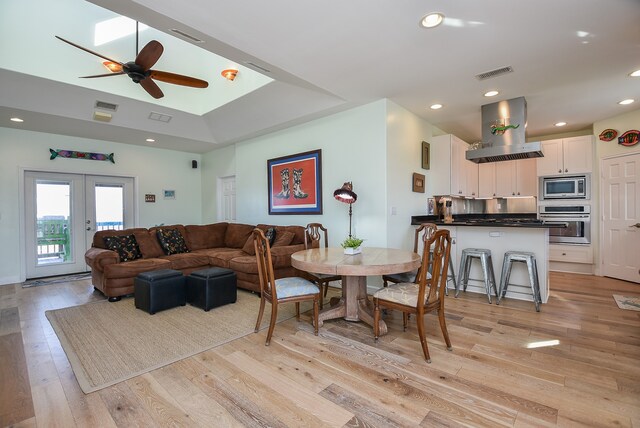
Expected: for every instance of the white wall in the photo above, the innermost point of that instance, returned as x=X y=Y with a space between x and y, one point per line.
x=353 y=149
x=603 y=149
x=153 y=170
x=405 y=134
x=215 y=165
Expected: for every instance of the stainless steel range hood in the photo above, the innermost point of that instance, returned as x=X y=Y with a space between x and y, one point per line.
x=503 y=133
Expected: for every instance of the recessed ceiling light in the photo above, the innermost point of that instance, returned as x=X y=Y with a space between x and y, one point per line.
x=560 y=124
x=150 y=140
x=627 y=101
x=436 y=106
x=432 y=20
x=635 y=73
x=491 y=93
x=16 y=119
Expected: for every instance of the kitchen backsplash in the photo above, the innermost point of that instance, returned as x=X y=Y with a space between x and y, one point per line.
x=484 y=206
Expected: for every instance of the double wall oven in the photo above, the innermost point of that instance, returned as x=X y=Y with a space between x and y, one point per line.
x=574 y=223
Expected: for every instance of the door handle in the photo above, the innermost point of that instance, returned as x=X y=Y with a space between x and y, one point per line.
x=89 y=228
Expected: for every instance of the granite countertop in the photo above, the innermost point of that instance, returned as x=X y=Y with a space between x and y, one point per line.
x=489 y=220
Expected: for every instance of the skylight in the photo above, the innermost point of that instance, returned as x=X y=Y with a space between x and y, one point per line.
x=114 y=29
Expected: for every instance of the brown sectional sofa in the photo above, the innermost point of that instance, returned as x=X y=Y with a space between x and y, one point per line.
x=218 y=244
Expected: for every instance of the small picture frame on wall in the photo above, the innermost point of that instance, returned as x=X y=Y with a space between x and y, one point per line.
x=426 y=156
x=418 y=183
x=149 y=197
x=169 y=194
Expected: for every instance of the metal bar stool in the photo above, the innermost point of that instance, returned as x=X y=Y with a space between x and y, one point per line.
x=468 y=254
x=532 y=267
x=451 y=274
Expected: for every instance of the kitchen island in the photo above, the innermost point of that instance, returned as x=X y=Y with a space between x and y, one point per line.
x=499 y=233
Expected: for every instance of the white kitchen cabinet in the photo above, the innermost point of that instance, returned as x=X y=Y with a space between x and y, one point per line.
x=507 y=179
x=566 y=156
x=571 y=253
x=451 y=173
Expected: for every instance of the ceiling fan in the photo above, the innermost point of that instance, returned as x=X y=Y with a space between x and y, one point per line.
x=140 y=70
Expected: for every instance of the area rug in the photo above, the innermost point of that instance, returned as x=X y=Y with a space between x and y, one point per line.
x=627 y=302
x=107 y=343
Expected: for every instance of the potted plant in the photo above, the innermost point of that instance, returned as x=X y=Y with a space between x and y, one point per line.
x=351 y=245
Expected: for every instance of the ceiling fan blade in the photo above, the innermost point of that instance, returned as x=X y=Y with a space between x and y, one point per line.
x=149 y=55
x=152 y=88
x=178 y=79
x=103 y=75
x=88 y=50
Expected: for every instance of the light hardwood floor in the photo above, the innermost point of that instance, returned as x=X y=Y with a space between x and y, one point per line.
x=503 y=371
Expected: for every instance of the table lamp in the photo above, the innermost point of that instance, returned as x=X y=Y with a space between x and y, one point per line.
x=345 y=194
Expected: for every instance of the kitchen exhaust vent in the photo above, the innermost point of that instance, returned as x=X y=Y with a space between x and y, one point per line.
x=106 y=106
x=494 y=73
x=187 y=36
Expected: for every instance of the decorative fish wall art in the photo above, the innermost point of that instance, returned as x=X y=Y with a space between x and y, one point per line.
x=73 y=154
x=629 y=138
x=608 y=134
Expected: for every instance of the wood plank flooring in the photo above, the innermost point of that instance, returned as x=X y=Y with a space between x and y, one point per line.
x=576 y=363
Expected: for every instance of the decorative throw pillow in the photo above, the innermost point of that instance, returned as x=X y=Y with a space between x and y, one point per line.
x=248 y=246
x=270 y=234
x=125 y=245
x=171 y=241
x=284 y=238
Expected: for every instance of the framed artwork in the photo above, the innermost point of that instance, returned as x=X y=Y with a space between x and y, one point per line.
x=418 y=182
x=294 y=183
x=426 y=156
x=169 y=194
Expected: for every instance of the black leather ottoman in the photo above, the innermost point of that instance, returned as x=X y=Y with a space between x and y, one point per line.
x=210 y=288
x=159 y=290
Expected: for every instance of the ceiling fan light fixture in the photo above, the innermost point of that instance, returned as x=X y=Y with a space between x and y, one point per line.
x=113 y=67
x=229 y=74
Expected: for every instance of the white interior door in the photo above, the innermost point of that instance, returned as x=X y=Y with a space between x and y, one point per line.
x=63 y=211
x=227 y=199
x=621 y=217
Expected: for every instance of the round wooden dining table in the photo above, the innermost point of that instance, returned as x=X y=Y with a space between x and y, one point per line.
x=354 y=305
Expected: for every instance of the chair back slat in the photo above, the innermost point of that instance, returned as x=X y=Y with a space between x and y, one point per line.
x=440 y=241
x=265 y=264
x=427 y=230
x=314 y=234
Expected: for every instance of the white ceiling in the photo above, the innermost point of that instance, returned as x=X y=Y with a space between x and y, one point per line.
x=571 y=61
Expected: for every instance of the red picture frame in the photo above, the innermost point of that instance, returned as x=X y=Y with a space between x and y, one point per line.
x=294 y=183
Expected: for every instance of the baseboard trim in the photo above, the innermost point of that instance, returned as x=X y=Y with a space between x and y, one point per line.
x=9 y=280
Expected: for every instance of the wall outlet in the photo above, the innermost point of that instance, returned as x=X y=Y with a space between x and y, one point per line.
x=495 y=234
x=394 y=210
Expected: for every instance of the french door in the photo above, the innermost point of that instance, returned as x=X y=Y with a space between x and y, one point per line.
x=63 y=211
x=620 y=191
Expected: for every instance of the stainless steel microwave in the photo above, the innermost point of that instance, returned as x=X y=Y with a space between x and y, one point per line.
x=573 y=187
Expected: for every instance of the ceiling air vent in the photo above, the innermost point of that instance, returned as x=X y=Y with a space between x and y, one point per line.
x=160 y=117
x=106 y=106
x=187 y=36
x=494 y=73
x=256 y=66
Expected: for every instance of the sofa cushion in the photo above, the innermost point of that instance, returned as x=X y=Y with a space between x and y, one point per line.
x=270 y=234
x=249 y=246
x=298 y=231
x=220 y=256
x=148 y=243
x=133 y=268
x=98 y=237
x=187 y=260
x=125 y=245
x=171 y=241
x=205 y=236
x=237 y=234
x=283 y=239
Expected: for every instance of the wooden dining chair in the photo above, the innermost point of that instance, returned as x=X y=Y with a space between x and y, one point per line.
x=281 y=290
x=419 y=298
x=428 y=229
x=316 y=235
